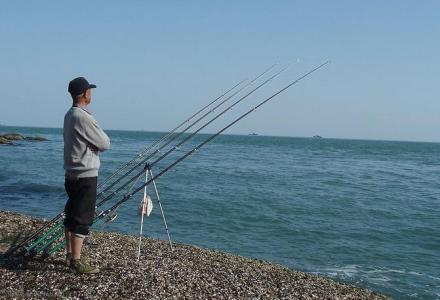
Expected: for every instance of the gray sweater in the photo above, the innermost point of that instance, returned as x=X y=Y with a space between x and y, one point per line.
x=82 y=137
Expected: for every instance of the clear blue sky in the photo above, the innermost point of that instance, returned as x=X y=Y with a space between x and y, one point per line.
x=156 y=62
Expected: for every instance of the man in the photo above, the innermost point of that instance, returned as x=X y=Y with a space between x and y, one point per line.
x=83 y=140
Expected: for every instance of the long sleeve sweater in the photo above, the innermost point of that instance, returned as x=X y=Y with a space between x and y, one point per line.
x=82 y=137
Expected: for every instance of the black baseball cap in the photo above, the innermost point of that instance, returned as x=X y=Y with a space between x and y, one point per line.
x=79 y=85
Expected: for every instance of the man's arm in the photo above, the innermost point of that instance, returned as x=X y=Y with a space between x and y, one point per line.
x=92 y=132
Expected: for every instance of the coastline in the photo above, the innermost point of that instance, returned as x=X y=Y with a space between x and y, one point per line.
x=187 y=272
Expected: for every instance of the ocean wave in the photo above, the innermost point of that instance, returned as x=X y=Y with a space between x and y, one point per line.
x=25 y=187
x=385 y=279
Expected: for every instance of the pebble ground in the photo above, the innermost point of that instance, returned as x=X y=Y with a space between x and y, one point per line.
x=188 y=272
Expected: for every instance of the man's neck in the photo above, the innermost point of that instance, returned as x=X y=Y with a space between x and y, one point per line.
x=80 y=105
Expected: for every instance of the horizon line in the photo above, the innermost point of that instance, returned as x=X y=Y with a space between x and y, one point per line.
x=244 y=134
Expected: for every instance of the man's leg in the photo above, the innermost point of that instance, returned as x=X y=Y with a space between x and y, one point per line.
x=82 y=195
x=83 y=214
x=70 y=190
x=76 y=263
x=77 y=243
x=67 y=235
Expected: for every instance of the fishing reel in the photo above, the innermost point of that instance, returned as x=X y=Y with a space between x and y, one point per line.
x=111 y=216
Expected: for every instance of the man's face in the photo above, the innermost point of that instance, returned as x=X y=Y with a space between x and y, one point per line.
x=88 y=96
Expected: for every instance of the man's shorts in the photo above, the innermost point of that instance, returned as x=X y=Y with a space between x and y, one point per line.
x=80 y=208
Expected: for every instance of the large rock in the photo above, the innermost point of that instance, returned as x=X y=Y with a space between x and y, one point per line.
x=35 y=138
x=8 y=137
x=4 y=141
x=13 y=136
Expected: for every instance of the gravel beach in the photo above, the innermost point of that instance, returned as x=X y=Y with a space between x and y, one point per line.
x=188 y=272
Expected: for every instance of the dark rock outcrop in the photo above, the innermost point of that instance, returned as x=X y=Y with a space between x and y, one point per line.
x=35 y=138
x=9 y=137
x=13 y=136
x=4 y=141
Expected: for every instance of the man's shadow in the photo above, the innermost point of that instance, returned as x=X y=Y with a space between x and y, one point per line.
x=17 y=258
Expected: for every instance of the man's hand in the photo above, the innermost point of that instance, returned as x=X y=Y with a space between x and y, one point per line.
x=93 y=148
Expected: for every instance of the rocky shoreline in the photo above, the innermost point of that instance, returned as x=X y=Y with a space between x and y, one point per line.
x=188 y=272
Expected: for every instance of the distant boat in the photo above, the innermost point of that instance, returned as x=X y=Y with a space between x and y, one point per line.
x=317 y=137
x=253 y=133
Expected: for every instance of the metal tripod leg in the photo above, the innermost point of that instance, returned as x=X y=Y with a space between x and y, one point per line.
x=142 y=217
x=161 y=209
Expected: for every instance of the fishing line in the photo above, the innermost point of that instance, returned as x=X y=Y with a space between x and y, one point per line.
x=152 y=164
x=127 y=197
x=181 y=133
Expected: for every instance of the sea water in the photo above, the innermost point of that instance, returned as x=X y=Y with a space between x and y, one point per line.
x=364 y=212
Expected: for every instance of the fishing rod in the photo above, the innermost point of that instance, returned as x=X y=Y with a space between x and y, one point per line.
x=148 y=148
x=105 y=199
x=186 y=121
x=60 y=215
x=180 y=159
x=191 y=125
x=184 y=140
